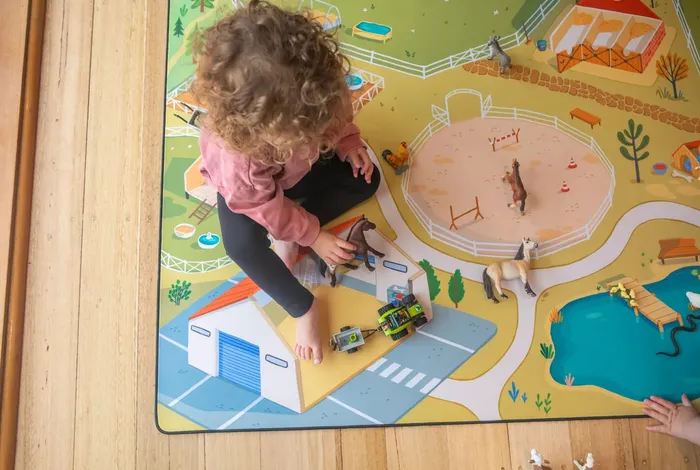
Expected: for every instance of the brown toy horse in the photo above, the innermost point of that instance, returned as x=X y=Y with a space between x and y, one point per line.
x=516 y=184
x=356 y=236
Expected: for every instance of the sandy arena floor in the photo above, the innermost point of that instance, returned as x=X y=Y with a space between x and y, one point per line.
x=458 y=163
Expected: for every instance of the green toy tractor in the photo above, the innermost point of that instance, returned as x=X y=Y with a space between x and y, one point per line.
x=395 y=320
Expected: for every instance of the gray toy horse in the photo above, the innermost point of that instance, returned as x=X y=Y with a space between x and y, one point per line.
x=495 y=52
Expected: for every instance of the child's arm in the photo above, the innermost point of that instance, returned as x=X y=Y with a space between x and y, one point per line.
x=349 y=138
x=263 y=201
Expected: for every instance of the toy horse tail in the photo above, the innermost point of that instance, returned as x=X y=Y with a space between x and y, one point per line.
x=522 y=205
x=488 y=287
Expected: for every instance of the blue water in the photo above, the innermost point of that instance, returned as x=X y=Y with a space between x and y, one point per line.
x=602 y=343
x=353 y=80
x=373 y=28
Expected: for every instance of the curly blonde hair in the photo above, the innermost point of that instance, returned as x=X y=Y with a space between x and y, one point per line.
x=272 y=82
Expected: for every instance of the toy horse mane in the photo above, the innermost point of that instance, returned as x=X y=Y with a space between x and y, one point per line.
x=521 y=253
x=516 y=171
x=360 y=222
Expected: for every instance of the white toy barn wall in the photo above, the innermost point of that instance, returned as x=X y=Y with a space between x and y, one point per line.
x=418 y=286
x=386 y=276
x=245 y=320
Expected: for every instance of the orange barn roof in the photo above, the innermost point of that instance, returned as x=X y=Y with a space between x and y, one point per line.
x=629 y=7
x=247 y=288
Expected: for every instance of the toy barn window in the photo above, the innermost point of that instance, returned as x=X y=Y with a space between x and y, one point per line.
x=276 y=361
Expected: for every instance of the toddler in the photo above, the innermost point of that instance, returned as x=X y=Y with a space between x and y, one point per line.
x=278 y=129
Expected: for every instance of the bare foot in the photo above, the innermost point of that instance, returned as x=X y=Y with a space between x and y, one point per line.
x=288 y=253
x=308 y=335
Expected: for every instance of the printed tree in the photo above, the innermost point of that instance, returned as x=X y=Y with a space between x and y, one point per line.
x=179 y=30
x=433 y=281
x=673 y=68
x=456 y=288
x=195 y=44
x=630 y=138
x=201 y=4
x=179 y=291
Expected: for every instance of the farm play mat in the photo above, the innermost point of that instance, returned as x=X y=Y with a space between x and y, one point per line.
x=601 y=109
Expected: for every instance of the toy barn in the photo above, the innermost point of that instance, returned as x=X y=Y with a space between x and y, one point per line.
x=622 y=34
x=232 y=337
x=687 y=158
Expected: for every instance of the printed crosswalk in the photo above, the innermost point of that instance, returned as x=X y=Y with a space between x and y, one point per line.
x=399 y=375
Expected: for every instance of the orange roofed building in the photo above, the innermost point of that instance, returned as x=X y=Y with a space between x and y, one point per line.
x=622 y=34
x=687 y=158
x=233 y=338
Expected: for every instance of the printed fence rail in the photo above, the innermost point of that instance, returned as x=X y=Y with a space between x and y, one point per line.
x=471 y=55
x=688 y=34
x=494 y=249
x=184 y=131
x=174 y=263
x=367 y=96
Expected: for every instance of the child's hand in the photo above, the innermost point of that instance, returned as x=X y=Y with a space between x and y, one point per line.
x=361 y=164
x=675 y=420
x=333 y=250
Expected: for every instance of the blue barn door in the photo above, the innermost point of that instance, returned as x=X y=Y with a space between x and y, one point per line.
x=239 y=362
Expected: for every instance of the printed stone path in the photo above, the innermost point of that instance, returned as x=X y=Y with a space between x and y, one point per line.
x=578 y=88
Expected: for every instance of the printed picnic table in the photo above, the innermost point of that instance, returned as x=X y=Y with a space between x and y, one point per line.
x=586 y=117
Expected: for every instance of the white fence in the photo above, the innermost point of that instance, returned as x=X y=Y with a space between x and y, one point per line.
x=367 y=96
x=688 y=34
x=494 y=249
x=173 y=263
x=470 y=55
x=182 y=131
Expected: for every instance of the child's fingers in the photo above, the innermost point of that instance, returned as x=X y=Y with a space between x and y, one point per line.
x=660 y=407
x=665 y=403
x=343 y=255
x=658 y=428
x=660 y=417
x=346 y=245
x=686 y=401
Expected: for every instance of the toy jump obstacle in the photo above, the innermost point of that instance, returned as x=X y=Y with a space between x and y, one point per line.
x=476 y=216
x=515 y=134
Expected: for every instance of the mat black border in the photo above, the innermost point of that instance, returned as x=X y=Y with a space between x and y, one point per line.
x=310 y=428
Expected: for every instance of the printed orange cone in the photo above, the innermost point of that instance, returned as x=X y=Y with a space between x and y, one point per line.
x=572 y=163
x=565 y=188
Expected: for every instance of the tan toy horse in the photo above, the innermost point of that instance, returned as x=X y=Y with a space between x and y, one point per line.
x=516 y=268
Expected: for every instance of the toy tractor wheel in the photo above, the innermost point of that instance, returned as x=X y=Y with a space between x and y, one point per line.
x=400 y=334
x=409 y=300
x=420 y=321
x=352 y=350
x=385 y=309
x=345 y=328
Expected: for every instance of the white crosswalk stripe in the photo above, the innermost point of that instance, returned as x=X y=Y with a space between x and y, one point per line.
x=429 y=386
x=415 y=380
x=390 y=370
x=377 y=364
x=398 y=378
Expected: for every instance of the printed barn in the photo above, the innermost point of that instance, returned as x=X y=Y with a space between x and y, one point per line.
x=622 y=34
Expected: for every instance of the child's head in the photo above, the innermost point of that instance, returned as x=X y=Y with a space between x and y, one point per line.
x=272 y=81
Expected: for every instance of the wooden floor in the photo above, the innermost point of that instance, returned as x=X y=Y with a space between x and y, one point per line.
x=87 y=397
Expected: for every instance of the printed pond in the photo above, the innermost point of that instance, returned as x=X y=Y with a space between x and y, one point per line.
x=602 y=343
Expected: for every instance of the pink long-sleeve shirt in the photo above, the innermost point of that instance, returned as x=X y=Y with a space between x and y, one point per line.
x=256 y=189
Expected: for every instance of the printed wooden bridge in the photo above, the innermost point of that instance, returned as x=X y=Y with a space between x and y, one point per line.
x=648 y=305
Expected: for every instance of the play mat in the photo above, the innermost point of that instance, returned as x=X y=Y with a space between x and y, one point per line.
x=599 y=108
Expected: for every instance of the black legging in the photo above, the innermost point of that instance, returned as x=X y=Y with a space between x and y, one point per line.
x=329 y=189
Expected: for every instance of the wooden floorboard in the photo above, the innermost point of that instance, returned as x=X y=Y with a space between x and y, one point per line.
x=48 y=385
x=12 y=55
x=610 y=442
x=88 y=386
x=105 y=421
